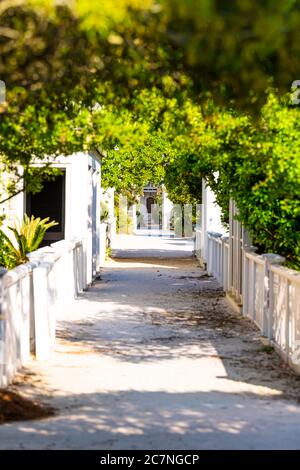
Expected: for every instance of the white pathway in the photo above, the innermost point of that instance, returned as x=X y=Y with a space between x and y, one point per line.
x=153 y=358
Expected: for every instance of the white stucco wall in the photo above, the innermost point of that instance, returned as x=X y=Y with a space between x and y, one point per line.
x=166 y=211
x=210 y=217
x=82 y=205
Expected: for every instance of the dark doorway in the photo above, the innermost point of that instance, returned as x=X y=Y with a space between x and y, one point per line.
x=50 y=202
x=150 y=202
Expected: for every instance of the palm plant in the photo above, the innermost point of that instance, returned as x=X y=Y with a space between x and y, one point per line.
x=28 y=235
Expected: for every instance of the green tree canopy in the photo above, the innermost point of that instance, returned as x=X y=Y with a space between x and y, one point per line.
x=166 y=89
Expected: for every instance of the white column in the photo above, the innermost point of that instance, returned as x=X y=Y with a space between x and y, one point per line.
x=210 y=217
x=166 y=211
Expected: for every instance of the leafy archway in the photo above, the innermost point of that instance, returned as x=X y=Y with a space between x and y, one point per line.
x=169 y=91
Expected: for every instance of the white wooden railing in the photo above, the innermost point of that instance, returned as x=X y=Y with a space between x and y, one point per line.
x=270 y=292
x=32 y=297
x=218 y=257
x=16 y=309
x=284 y=305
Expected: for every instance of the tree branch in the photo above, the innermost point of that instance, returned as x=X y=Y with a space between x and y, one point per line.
x=12 y=195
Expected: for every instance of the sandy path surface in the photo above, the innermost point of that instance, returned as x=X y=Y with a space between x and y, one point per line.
x=154 y=358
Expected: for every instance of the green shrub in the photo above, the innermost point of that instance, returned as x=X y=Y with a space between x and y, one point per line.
x=104 y=212
x=28 y=236
x=257 y=163
x=268 y=189
x=7 y=258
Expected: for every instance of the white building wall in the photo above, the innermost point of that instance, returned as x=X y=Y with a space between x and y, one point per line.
x=82 y=205
x=166 y=211
x=210 y=217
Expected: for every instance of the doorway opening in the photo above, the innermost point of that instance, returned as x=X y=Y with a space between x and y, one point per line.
x=150 y=203
x=50 y=202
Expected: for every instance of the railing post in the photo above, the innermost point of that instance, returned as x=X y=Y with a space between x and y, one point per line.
x=214 y=249
x=225 y=262
x=220 y=253
x=208 y=254
x=246 y=287
x=44 y=324
x=2 y=332
x=268 y=313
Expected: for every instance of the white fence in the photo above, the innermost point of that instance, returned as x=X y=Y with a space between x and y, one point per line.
x=270 y=293
x=197 y=239
x=32 y=297
x=271 y=297
x=218 y=258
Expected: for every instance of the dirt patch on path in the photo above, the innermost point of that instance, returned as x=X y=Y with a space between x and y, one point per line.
x=15 y=407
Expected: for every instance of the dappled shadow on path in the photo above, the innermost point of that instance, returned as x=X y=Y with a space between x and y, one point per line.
x=187 y=317
x=154 y=358
x=160 y=420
